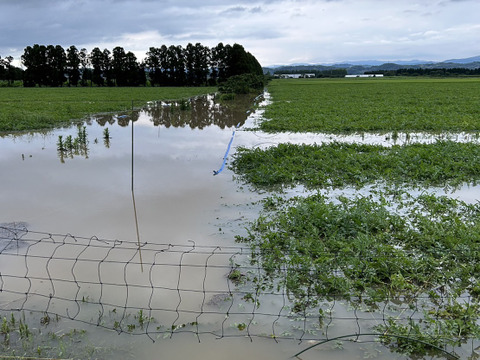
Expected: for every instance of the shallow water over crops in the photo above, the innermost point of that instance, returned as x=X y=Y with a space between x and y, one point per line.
x=79 y=258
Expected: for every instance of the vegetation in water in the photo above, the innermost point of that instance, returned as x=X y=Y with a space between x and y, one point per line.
x=74 y=146
x=393 y=255
x=373 y=105
x=336 y=165
x=20 y=339
x=362 y=251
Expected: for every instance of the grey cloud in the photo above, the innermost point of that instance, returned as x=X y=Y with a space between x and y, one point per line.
x=234 y=9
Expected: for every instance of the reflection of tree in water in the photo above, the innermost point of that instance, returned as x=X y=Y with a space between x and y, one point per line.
x=204 y=111
x=102 y=120
x=198 y=112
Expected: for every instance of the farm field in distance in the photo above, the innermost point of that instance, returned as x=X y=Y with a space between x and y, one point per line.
x=44 y=108
x=380 y=227
x=374 y=105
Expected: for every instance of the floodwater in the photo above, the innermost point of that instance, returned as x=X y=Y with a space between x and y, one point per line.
x=80 y=259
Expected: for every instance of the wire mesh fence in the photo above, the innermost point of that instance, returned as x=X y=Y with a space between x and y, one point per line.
x=176 y=289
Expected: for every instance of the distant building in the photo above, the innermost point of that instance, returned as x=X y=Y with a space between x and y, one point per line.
x=290 y=76
x=294 y=76
x=364 y=75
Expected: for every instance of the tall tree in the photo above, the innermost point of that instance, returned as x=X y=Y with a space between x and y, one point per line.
x=119 y=66
x=56 y=65
x=73 y=65
x=7 y=70
x=190 y=64
x=154 y=66
x=96 y=60
x=220 y=61
x=34 y=60
x=201 y=68
x=107 y=67
x=85 y=61
x=133 y=70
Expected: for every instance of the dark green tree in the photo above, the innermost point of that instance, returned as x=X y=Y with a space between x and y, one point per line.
x=153 y=64
x=96 y=60
x=201 y=64
x=34 y=60
x=9 y=72
x=119 y=66
x=190 y=64
x=218 y=62
x=85 y=62
x=56 y=65
x=73 y=65
x=241 y=62
x=133 y=70
x=107 y=67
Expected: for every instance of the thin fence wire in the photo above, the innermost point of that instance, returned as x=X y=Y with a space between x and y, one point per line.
x=183 y=288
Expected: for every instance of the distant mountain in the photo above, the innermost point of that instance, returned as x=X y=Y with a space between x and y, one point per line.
x=360 y=67
x=380 y=62
x=464 y=61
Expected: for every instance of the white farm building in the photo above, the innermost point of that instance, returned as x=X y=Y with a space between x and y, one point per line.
x=364 y=75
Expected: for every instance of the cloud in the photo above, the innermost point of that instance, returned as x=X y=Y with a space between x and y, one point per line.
x=275 y=31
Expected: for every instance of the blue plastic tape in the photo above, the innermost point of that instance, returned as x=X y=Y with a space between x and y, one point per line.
x=226 y=153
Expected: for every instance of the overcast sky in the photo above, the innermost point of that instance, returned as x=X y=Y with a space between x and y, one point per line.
x=274 y=31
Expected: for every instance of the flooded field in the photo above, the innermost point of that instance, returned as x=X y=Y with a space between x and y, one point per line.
x=72 y=245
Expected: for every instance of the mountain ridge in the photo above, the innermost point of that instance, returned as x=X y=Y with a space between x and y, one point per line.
x=360 y=67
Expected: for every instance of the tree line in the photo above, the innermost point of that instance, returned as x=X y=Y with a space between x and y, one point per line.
x=429 y=72
x=193 y=65
x=8 y=72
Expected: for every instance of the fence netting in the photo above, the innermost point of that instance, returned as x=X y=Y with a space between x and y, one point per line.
x=175 y=288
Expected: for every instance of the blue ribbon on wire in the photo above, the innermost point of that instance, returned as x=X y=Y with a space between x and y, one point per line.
x=226 y=153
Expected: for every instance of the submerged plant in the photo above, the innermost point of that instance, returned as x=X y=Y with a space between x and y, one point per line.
x=337 y=165
x=360 y=251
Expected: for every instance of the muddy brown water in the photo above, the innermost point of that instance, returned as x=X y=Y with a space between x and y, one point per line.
x=180 y=205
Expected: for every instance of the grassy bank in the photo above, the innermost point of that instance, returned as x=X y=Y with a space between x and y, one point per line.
x=373 y=105
x=41 y=108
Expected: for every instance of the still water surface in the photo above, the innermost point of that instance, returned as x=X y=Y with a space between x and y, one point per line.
x=178 y=201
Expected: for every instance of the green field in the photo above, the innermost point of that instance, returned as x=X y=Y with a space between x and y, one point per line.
x=377 y=248
x=41 y=108
x=373 y=105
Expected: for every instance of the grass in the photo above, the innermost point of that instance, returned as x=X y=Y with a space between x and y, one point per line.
x=373 y=105
x=44 y=340
x=44 y=108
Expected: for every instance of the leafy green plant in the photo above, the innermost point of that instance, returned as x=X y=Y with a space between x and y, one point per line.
x=337 y=165
x=236 y=276
x=361 y=251
x=379 y=105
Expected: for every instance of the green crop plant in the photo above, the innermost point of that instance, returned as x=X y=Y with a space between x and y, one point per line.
x=337 y=165
x=361 y=251
x=373 y=105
